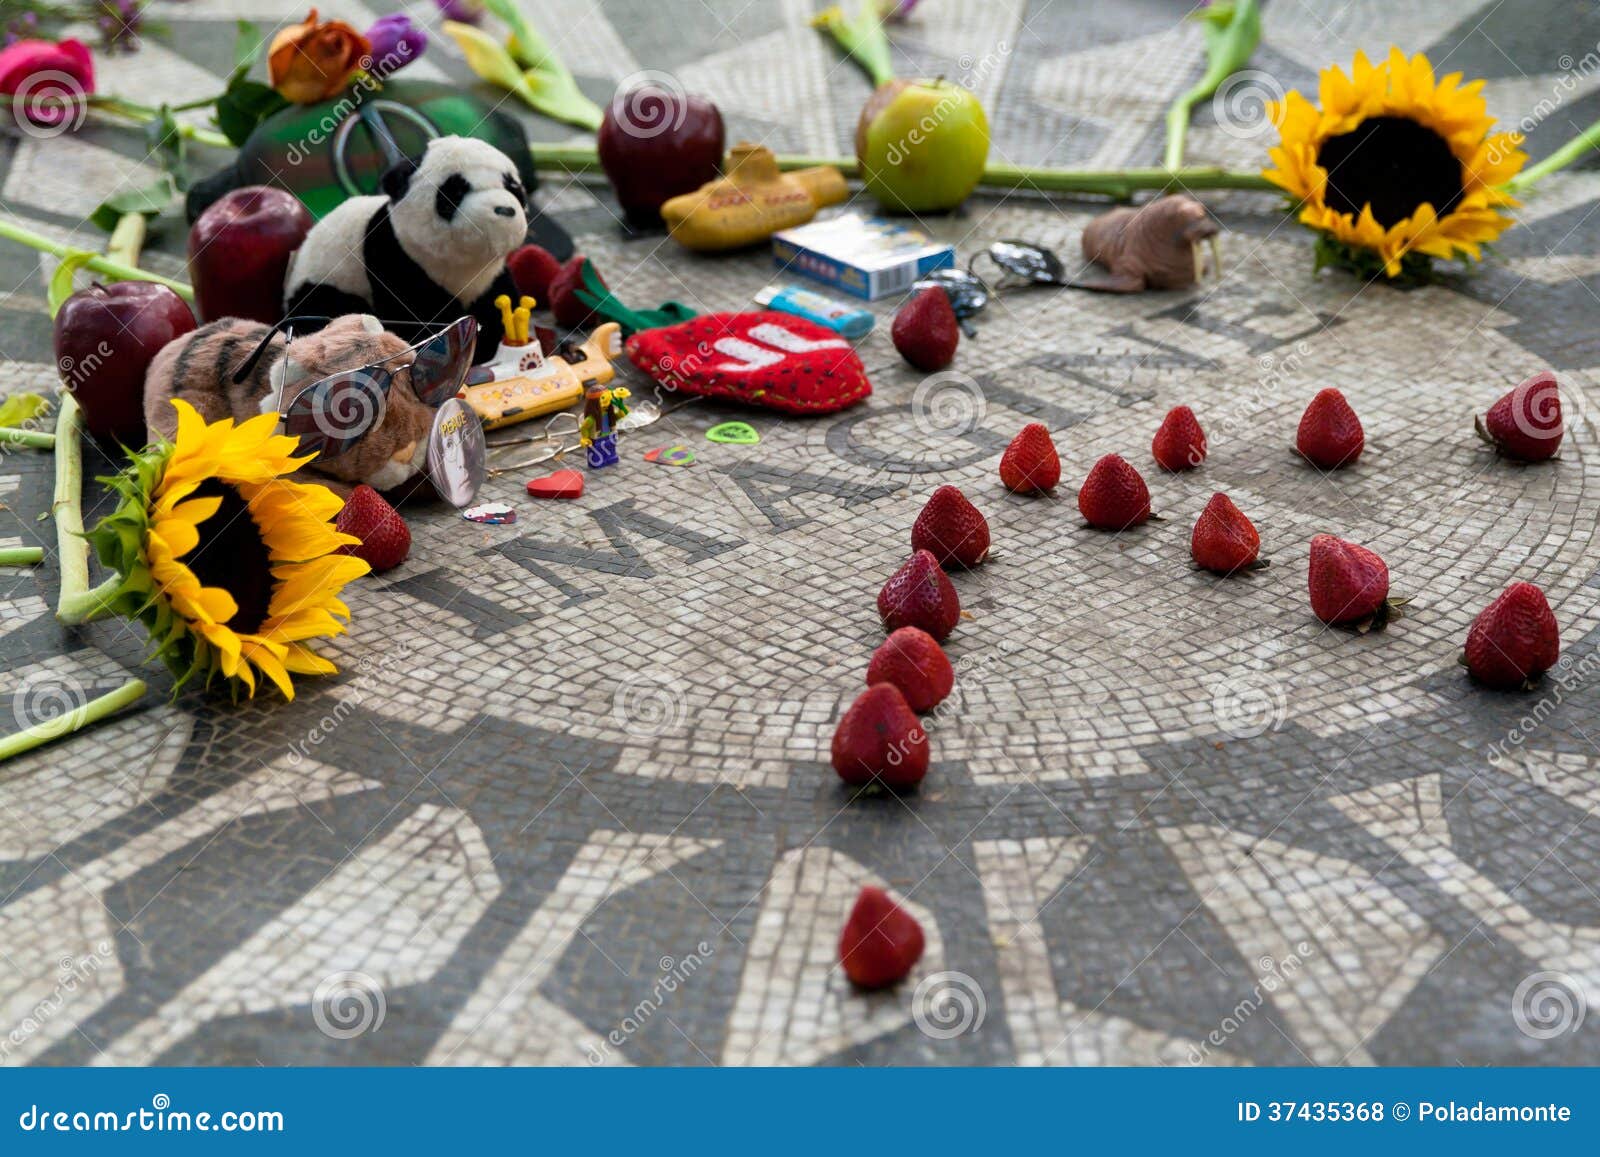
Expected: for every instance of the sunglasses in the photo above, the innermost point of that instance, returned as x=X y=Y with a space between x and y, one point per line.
x=335 y=412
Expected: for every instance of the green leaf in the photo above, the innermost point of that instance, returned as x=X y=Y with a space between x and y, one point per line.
x=150 y=200
x=244 y=105
x=246 y=47
x=20 y=408
x=165 y=141
x=61 y=281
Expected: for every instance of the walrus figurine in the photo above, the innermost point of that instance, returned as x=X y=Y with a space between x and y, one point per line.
x=1156 y=246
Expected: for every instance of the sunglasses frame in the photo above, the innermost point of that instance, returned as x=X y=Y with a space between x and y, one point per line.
x=377 y=374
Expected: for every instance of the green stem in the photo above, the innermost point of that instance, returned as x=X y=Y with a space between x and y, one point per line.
x=76 y=602
x=20 y=555
x=12 y=231
x=73 y=721
x=127 y=239
x=1574 y=149
x=38 y=439
x=139 y=114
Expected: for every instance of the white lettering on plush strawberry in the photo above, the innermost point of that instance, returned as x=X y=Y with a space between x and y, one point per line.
x=750 y=357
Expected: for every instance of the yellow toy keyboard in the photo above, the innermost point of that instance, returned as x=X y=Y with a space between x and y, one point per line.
x=522 y=383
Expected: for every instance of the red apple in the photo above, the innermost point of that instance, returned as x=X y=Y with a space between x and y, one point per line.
x=106 y=337
x=239 y=251
x=656 y=143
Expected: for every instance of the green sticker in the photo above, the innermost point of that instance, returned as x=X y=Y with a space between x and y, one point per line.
x=735 y=433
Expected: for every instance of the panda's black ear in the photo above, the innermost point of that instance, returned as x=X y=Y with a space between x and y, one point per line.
x=397 y=178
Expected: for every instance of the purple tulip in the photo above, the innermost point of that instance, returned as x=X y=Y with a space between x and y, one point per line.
x=396 y=41
x=465 y=11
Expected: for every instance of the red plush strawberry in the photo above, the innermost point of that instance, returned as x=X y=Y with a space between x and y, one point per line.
x=1180 y=443
x=1349 y=583
x=912 y=660
x=1224 y=540
x=564 y=303
x=1114 y=496
x=879 y=738
x=385 y=538
x=920 y=594
x=1514 y=640
x=881 y=941
x=533 y=268
x=951 y=529
x=925 y=330
x=776 y=360
x=1330 y=434
x=1030 y=464
x=1526 y=423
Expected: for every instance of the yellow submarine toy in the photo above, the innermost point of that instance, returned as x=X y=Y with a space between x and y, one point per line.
x=751 y=202
x=522 y=382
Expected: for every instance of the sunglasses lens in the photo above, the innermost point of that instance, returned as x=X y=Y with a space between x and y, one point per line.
x=1024 y=260
x=442 y=362
x=966 y=291
x=331 y=416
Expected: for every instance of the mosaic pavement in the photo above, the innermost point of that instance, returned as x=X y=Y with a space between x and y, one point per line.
x=569 y=801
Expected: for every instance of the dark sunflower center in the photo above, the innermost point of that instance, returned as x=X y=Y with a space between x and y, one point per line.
x=1393 y=164
x=232 y=556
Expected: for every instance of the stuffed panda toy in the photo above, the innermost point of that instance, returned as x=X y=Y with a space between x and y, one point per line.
x=430 y=248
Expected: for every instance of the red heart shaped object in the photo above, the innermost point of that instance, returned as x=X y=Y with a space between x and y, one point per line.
x=776 y=360
x=561 y=484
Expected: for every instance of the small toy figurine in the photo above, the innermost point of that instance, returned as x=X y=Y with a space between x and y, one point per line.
x=603 y=408
x=520 y=382
x=1156 y=246
x=752 y=202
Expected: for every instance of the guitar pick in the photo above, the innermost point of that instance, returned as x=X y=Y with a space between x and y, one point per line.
x=734 y=433
x=561 y=484
x=670 y=456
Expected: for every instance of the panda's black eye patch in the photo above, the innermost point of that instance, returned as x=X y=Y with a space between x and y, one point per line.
x=451 y=193
x=514 y=187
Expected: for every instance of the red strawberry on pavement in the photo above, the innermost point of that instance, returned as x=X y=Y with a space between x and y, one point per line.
x=1030 y=464
x=881 y=941
x=879 y=738
x=533 y=268
x=1180 y=443
x=1114 y=496
x=951 y=529
x=925 y=330
x=385 y=538
x=920 y=594
x=912 y=660
x=1349 y=583
x=1526 y=423
x=564 y=303
x=1224 y=540
x=1330 y=434
x=1514 y=640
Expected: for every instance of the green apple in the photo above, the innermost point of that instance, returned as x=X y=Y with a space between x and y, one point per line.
x=922 y=144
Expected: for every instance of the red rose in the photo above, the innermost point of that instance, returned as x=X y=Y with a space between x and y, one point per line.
x=48 y=84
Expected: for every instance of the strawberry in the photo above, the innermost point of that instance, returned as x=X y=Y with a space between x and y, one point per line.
x=1180 y=443
x=879 y=738
x=1030 y=465
x=1349 y=583
x=1526 y=423
x=1514 y=640
x=881 y=941
x=920 y=595
x=1330 y=434
x=951 y=529
x=925 y=330
x=533 y=268
x=1114 y=496
x=385 y=538
x=912 y=660
x=1224 y=540
x=569 y=311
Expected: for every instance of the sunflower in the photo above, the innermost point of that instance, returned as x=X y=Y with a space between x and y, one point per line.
x=230 y=565
x=1395 y=168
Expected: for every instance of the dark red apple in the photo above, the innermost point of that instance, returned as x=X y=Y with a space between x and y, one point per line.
x=239 y=251
x=656 y=143
x=106 y=337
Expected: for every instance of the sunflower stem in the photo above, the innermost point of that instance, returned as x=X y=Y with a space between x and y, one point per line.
x=38 y=439
x=73 y=721
x=1575 y=149
x=12 y=231
x=76 y=602
x=20 y=555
